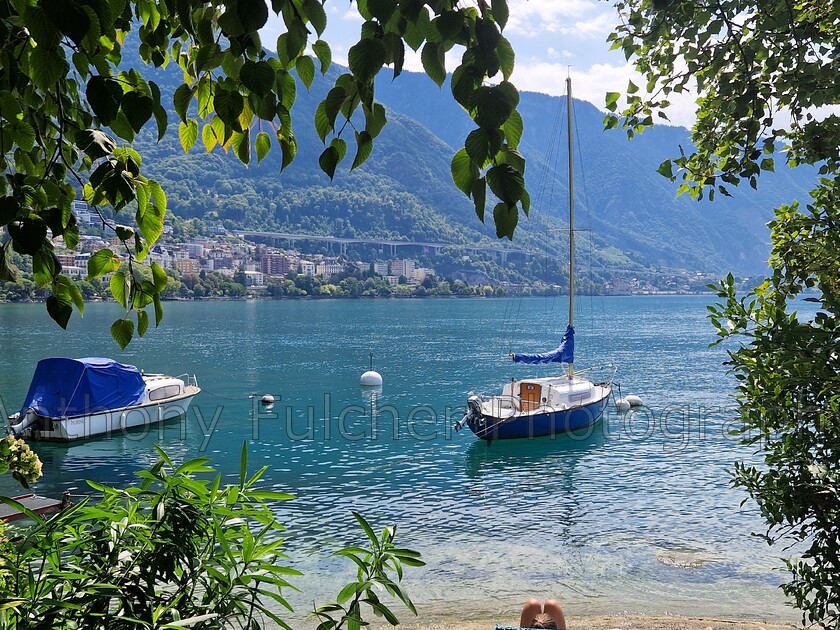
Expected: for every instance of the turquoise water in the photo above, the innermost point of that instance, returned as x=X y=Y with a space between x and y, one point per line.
x=636 y=517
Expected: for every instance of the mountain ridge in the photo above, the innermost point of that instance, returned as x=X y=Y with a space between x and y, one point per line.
x=405 y=190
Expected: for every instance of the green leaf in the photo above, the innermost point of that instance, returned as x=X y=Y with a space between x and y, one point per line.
x=188 y=133
x=506 y=218
x=120 y=285
x=142 y=322
x=382 y=10
x=317 y=16
x=28 y=234
x=507 y=56
x=71 y=236
x=305 y=68
x=257 y=76
x=122 y=331
x=158 y=309
x=161 y=117
x=60 y=309
x=45 y=267
x=229 y=105
x=347 y=592
x=241 y=143
x=478 y=191
x=341 y=146
x=158 y=198
x=323 y=53
x=367 y=529
x=104 y=95
x=464 y=172
x=262 y=145
x=366 y=58
x=149 y=218
x=288 y=146
x=95 y=143
x=612 y=100
x=374 y=119
x=295 y=40
x=8 y=271
x=47 y=66
x=335 y=100
x=243 y=465
x=159 y=277
x=364 y=145
x=252 y=14
x=432 y=58
x=182 y=99
x=492 y=106
x=514 y=158
x=463 y=86
x=482 y=145
x=666 y=169
x=102 y=262
x=500 y=12
x=513 y=128
x=329 y=160
x=138 y=109
x=507 y=183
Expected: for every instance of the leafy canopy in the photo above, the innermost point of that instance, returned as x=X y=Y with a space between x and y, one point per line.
x=178 y=550
x=762 y=71
x=70 y=111
x=765 y=72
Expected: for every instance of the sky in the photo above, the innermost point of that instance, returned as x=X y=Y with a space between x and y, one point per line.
x=551 y=38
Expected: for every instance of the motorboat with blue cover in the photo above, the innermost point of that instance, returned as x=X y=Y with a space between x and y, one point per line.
x=549 y=405
x=75 y=399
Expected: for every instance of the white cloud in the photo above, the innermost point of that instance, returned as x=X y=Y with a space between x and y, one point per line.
x=532 y=19
x=593 y=84
x=352 y=15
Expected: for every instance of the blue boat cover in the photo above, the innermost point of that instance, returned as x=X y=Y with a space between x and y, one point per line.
x=564 y=353
x=70 y=387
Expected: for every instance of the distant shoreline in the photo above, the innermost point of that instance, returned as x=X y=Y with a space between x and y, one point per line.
x=267 y=298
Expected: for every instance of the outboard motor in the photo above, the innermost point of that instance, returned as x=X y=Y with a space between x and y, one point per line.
x=473 y=412
x=22 y=428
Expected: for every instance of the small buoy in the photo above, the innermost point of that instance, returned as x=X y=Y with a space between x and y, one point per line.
x=371 y=379
x=267 y=399
x=634 y=401
x=622 y=404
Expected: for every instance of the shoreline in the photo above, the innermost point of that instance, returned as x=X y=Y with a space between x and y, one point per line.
x=598 y=622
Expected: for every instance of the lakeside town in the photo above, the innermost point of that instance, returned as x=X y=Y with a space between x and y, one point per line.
x=225 y=265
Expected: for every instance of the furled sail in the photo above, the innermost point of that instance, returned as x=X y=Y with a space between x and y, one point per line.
x=564 y=353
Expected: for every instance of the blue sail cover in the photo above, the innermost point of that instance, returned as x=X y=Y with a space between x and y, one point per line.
x=71 y=387
x=564 y=353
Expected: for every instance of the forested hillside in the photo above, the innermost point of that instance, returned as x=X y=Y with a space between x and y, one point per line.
x=406 y=192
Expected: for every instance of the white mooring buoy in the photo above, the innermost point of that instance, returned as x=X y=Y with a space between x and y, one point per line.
x=634 y=401
x=622 y=405
x=267 y=399
x=371 y=378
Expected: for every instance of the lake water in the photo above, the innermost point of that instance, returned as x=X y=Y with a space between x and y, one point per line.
x=636 y=517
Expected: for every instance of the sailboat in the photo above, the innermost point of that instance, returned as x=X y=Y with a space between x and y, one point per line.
x=548 y=405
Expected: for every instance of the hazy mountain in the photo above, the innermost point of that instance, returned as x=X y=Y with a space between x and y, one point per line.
x=405 y=190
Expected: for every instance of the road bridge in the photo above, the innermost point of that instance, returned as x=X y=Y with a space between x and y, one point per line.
x=501 y=253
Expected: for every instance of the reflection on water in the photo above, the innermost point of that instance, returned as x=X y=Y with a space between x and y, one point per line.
x=637 y=516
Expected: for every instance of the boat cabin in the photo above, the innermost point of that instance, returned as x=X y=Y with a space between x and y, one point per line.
x=557 y=393
x=160 y=387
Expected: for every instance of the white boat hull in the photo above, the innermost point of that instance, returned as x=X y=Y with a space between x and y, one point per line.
x=157 y=406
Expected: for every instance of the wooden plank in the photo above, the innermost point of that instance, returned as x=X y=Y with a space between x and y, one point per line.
x=34 y=502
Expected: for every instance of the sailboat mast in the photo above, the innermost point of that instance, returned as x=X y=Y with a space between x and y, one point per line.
x=571 y=213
